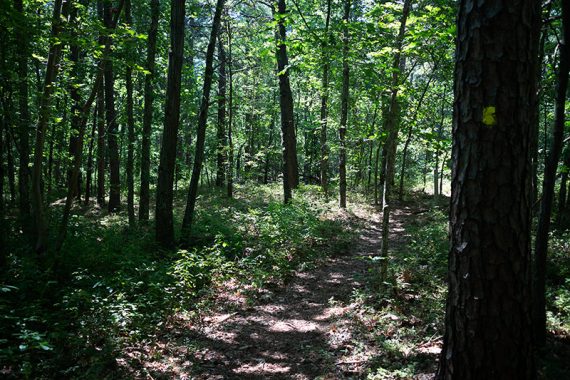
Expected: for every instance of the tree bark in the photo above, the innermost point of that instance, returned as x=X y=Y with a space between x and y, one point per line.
x=144 y=202
x=541 y=242
x=344 y=106
x=130 y=130
x=164 y=193
x=89 y=174
x=23 y=123
x=111 y=118
x=488 y=319
x=101 y=146
x=202 y=121
x=392 y=127
x=230 y=172
x=290 y=165
x=221 y=133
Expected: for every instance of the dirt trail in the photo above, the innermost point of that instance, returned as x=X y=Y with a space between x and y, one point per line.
x=302 y=331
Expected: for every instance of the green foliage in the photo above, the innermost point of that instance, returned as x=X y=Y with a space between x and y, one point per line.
x=111 y=287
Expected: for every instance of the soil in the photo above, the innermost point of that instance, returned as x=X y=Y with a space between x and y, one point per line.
x=307 y=329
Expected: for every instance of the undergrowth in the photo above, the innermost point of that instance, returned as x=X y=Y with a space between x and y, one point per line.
x=70 y=316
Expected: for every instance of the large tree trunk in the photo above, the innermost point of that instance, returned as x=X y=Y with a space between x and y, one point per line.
x=164 y=193
x=144 y=202
x=221 y=133
x=130 y=130
x=488 y=324
x=344 y=106
x=111 y=118
x=290 y=165
x=541 y=242
x=392 y=127
x=44 y=114
x=202 y=121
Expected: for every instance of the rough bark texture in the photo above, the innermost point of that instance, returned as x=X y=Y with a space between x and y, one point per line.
x=111 y=119
x=221 y=133
x=488 y=324
x=144 y=202
x=164 y=193
x=40 y=219
x=541 y=242
x=290 y=165
x=202 y=121
x=344 y=106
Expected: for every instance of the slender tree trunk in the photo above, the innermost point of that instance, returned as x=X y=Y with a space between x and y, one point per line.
x=75 y=97
x=3 y=222
x=23 y=122
x=412 y=122
x=324 y=103
x=563 y=193
x=89 y=174
x=344 y=106
x=144 y=202
x=389 y=149
x=101 y=148
x=11 y=167
x=221 y=133
x=230 y=172
x=539 y=90
x=541 y=242
x=111 y=119
x=290 y=165
x=202 y=121
x=44 y=113
x=488 y=322
x=130 y=131
x=83 y=110
x=164 y=193
x=82 y=115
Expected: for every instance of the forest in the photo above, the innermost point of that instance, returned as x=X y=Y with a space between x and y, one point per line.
x=284 y=189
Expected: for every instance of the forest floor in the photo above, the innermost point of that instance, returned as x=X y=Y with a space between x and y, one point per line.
x=317 y=325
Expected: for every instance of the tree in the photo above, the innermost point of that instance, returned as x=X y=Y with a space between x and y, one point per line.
x=111 y=116
x=144 y=201
x=290 y=165
x=202 y=121
x=541 y=242
x=344 y=105
x=24 y=121
x=221 y=133
x=164 y=191
x=40 y=218
x=324 y=102
x=488 y=324
x=392 y=128
x=130 y=129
